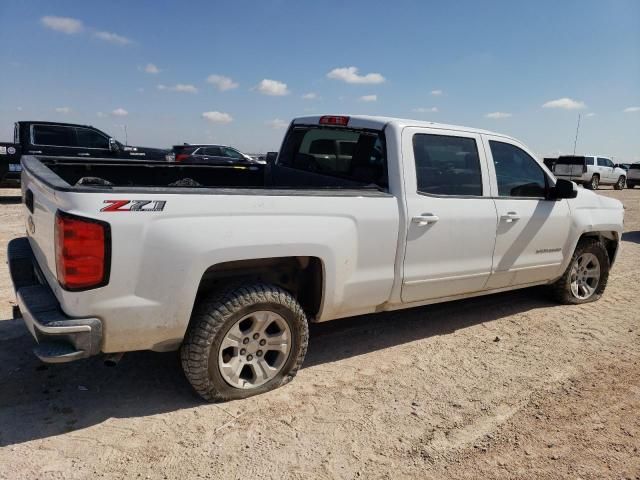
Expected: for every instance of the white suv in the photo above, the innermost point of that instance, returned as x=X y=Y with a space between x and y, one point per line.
x=633 y=175
x=590 y=171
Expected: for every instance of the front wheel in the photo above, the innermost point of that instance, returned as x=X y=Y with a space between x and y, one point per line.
x=586 y=276
x=245 y=341
x=619 y=185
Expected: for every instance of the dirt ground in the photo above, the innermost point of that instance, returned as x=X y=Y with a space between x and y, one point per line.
x=505 y=386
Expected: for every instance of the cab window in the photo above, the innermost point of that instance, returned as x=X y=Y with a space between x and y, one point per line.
x=447 y=165
x=54 y=136
x=518 y=174
x=91 y=139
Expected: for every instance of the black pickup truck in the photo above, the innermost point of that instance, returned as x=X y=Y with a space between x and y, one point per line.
x=66 y=140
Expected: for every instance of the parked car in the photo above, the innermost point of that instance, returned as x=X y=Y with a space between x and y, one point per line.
x=10 y=161
x=71 y=140
x=231 y=270
x=209 y=154
x=590 y=171
x=624 y=166
x=633 y=175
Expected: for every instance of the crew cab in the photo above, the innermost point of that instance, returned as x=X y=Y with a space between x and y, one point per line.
x=228 y=264
x=590 y=171
x=68 y=139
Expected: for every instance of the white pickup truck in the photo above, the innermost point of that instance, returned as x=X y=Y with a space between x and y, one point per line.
x=356 y=215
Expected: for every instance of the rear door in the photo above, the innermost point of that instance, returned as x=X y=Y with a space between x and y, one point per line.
x=532 y=233
x=451 y=216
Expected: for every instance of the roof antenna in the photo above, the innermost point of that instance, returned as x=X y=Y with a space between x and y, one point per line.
x=575 y=142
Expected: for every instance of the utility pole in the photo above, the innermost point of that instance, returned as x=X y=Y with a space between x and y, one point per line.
x=575 y=142
x=126 y=138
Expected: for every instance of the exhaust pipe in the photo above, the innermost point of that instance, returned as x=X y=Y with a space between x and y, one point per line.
x=112 y=359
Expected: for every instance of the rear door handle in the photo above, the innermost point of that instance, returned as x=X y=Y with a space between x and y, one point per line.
x=84 y=154
x=425 y=219
x=510 y=217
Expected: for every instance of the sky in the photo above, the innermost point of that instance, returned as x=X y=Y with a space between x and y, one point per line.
x=236 y=72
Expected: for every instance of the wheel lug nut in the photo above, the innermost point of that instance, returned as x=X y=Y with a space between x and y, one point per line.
x=263 y=343
x=245 y=341
x=243 y=351
x=249 y=357
x=256 y=336
x=259 y=353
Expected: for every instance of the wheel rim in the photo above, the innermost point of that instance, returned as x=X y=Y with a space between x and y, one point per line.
x=621 y=182
x=594 y=183
x=585 y=276
x=254 y=350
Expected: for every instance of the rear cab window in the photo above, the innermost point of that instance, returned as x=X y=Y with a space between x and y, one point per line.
x=54 y=136
x=447 y=165
x=357 y=156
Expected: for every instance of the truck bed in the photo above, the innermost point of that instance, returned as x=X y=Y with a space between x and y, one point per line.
x=72 y=174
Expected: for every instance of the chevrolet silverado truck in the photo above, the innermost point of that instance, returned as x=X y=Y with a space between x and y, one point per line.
x=66 y=139
x=228 y=264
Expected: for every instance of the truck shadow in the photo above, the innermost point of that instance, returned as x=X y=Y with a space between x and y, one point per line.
x=633 y=237
x=40 y=401
x=10 y=200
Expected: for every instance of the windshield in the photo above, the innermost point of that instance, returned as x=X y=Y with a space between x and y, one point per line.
x=351 y=154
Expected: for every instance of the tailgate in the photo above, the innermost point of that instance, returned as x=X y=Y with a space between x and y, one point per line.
x=572 y=167
x=40 y=204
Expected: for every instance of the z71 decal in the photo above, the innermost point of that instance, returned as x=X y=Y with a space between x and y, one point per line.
x=134 y=206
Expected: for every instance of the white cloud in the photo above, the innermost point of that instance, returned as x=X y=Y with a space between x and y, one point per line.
x=565 y=103
x=180 y=87
x=425 y=110
x=217 y=117
x=221 y=82
x=310 y=96
x=436 y=93
x=119 y=112
x=278 y=124
x=350 y=75
x=590 y=114
x=19 y=109
x=631 y=109
x=101 y=114
x=112 y=38
x=498 y=115
x=151 y=68
x=62 y=24
x=63 y=110
x=273 y=88
x=368 y=98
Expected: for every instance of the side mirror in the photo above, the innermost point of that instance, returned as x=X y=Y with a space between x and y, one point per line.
x=563 y=189
x=113 y=145
x=271 y=157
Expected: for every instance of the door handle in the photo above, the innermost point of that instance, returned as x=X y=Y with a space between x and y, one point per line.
x=510 y=217
x=425 y=219
x=83 y=154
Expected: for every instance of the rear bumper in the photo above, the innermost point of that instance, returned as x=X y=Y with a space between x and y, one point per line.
x=60 y=338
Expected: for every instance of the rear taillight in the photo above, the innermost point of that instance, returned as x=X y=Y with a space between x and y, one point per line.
x=181 y=157
x=83 y=248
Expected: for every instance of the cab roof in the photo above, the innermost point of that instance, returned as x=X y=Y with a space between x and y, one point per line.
x=379 y=123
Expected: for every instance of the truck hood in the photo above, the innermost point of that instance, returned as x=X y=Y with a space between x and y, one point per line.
x=587 y=199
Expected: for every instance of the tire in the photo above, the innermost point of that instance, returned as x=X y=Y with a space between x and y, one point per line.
x=220 y=319
x=594 y=183
x=562 y=289
x=619 y=185
x=631 y=185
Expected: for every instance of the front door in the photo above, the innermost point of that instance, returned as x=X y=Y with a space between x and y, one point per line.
x=532 y=233
x=451 y=216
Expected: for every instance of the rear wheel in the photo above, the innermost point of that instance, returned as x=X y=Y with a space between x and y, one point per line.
x=620 y=183
x=594 y=183
x=586 y=276
x=245 y=341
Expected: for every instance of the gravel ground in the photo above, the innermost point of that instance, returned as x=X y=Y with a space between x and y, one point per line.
x=505 y=386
